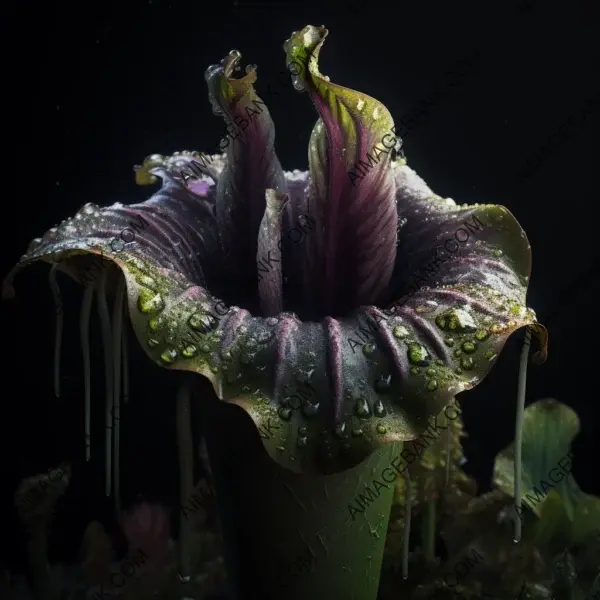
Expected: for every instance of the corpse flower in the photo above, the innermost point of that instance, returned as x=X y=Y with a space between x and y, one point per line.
x=339 y=308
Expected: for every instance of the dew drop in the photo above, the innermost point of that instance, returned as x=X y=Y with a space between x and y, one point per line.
x=205 y=348
x=482 y=335
x=284 y=413
x=432 y=385
x=379 y=409
x=357 y=432
x=381 y=429
x=368 y=349
x=383 y=385
x=430 y=372
x=149 y=302
x=449 y=342
x=297 y=83
x=400 y=331
x=190 y=351
x=497 y=328
x=360 y=105
x=467 y=363
x=415 y=370
x=456 y=320
x=152 y=342
x=169 y=356
x=490 y=355
x=226 y=355
x=272 y=321
x=202 y=322
x=361 y=408
x=147 y=282
x=302 y=442
x=154 y=324
x=340 y=430
x=418 y=355
x=469 y=347
x=302 y=430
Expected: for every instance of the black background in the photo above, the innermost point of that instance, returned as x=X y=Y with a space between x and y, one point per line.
x=93 y=90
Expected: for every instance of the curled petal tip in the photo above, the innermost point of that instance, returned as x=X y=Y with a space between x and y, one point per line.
x=302 y=51
x=224 y=90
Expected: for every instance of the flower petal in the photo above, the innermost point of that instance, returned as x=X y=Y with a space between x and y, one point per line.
x=252 y=168
x=471 y=257
x=163 y=245
x=352 y=200
x=270 y=276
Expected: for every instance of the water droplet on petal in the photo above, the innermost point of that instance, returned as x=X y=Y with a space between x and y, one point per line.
x=456 y=320
x=379 y=409
x=149 y=302
x=190 y=351
x=340 y=430
x=169 y=356
x=383 y=385
x=368 y=349
x=361 y=408
x=418 y=355
x=467 y=363
x=400 y=331
x=381 y=429
x=147 y=282
x=482 y=335
x=490 y=355
x=497 y=328
x=469 y=347
x=285 y=413
x=432 y=385
x=202 y=322
x=152 y=342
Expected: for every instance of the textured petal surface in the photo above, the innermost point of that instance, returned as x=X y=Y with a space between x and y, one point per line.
x=352 y=187
x=323 y=393
x=252 y=168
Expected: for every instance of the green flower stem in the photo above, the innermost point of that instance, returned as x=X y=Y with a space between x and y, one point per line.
x=291 y=536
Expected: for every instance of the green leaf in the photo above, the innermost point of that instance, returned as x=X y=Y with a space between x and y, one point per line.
x=549 y=488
